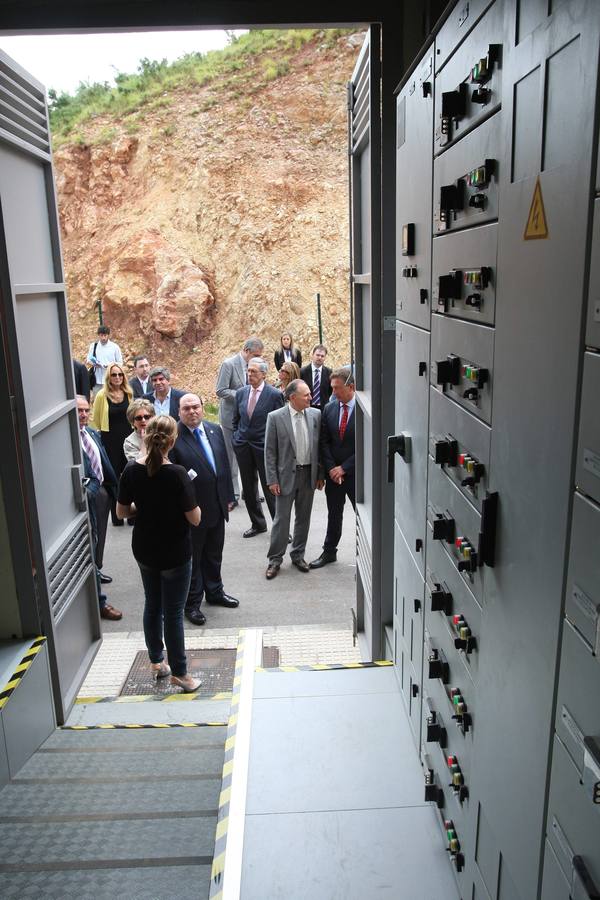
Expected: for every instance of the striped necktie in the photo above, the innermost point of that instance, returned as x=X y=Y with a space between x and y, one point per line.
x=92 y=454
x=316 y=391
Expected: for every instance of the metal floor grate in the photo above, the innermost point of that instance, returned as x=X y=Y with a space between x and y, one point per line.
x=214 y=667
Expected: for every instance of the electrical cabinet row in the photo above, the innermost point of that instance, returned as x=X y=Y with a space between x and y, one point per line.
x=496 y=398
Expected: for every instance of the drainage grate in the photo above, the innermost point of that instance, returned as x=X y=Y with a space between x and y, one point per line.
x=214 y=667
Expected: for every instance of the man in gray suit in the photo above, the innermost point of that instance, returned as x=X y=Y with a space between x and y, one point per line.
x=293 y=471
x=232 y=375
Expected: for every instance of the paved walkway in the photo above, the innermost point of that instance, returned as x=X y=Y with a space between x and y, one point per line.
x=307 y=617
x=325 y=596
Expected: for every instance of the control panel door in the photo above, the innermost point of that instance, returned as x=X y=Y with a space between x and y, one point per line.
x=44 y=426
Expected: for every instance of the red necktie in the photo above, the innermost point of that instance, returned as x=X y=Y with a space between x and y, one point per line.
x=343 y=421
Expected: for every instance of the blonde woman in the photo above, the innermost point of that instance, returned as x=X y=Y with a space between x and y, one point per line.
x=109 y=417
x=161 y=497
x=139 y=413
x=289 y=371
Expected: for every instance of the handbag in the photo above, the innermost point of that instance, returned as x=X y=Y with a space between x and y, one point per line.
x=92 y=371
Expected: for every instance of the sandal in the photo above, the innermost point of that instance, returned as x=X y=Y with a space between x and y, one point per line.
x=187 y=682
x=161 y=669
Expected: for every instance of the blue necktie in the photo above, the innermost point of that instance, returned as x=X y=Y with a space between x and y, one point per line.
x=202 y=440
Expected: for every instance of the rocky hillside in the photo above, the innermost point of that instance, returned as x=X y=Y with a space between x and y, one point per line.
x=215 y=208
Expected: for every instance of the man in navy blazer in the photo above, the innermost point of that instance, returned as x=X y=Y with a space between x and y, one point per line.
x=101 y=489
x=253 y=403
x=163 y=397
x=200 y=449
x=337 y=456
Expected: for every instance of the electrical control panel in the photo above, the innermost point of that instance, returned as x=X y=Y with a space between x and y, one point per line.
x=462 y=356
x=588 y=452
x=410 y=473
x=459 y=444
x=414 y=115
x=469 y=88
x=510 y=330
x=592 y=337
x=465 y=180
x=464 y=274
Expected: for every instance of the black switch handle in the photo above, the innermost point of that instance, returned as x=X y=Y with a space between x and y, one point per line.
x=396 y=443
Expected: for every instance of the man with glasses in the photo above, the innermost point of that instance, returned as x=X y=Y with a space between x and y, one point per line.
x=200 y=448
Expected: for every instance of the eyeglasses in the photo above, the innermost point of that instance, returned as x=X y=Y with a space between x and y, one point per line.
x=116 y=375
x=141 y=418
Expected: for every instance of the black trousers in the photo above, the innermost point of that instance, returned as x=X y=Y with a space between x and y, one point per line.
x=102 y=505
x=336 y=497
x=207 y=555
x=251 y=462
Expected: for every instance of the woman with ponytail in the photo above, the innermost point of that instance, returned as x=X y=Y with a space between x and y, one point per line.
x=161 y=498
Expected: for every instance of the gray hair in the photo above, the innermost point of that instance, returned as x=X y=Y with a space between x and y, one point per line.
x=292 y=388
x=160 y=370
x=254 y=344
x=258 y=361
x=345 y=373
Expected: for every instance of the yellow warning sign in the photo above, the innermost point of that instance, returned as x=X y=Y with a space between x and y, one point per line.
x=537 y=227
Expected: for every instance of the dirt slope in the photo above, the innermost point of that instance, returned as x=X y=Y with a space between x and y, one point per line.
x=214 y=214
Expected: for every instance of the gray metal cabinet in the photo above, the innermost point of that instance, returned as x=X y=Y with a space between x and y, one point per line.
x=414 y=116
x=412 y=365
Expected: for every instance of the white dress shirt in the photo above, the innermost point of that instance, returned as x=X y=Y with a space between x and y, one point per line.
x=301 y=436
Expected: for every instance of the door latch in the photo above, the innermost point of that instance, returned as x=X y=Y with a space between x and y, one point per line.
x=400 y=444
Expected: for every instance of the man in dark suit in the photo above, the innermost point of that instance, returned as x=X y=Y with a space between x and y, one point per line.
x=253 y=403
x=163 y=397
x=140 y=384
x=101 y=489
x=200 y=448
x=82 y=379
x=337 y=455
x=317 y=376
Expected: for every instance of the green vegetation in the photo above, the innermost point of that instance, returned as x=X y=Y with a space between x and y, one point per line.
x=150 y=86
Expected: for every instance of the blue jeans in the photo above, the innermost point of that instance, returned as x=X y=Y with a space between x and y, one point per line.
x=166 y=591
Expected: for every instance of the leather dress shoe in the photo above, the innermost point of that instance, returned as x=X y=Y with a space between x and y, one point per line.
x=272 y=572
x=105 y=579
x=301 y=565
x=109 y=612
x=225 y=600
x=195 y=615
x=253 y=531
x=322 y=560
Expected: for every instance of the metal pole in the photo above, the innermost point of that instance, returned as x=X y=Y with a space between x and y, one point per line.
x=319 y=321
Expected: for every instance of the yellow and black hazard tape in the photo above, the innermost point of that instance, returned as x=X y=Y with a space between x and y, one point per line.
x=218 y=866
x=133 y=726
x=145 y=698
x=17 y=676
x=326 y=667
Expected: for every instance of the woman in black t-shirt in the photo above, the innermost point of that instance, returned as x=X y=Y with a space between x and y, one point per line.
x=161 y=497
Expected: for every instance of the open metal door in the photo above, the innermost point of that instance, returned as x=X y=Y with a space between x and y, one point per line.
x=365 y=252
x=62 y=597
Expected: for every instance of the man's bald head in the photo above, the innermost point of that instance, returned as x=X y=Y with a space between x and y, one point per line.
x=191 y=410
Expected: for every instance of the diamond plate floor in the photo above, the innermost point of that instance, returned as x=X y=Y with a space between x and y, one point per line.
x=98 y=814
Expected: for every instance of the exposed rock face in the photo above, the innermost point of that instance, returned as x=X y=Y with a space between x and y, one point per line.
x=221 y=217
